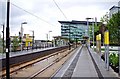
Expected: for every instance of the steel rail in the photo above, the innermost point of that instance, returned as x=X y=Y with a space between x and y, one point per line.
x=51 y=64
x=39 y=59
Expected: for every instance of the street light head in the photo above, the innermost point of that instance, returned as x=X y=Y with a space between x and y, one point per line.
x=50 y=31
x=88 y=18
x=24 y=23
x=31 y=30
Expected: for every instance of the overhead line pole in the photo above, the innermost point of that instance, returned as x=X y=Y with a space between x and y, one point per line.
x=69 y=38
x=3 y=38
x=7 y=42
x=33 y=40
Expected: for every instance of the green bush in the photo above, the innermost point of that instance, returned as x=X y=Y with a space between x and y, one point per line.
x=114 y=59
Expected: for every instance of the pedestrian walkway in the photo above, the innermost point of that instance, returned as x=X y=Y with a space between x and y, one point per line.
x=101 y=65
x=88 y=64
x=85 y=66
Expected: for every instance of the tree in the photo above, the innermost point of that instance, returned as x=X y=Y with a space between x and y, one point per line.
x=15 y=43
x=96 y=30
x=113 y=27
x=105 y=19
x=2 y=49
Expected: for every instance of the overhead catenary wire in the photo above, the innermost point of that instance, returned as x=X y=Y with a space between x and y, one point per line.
x=33 y=14
x=60 y=9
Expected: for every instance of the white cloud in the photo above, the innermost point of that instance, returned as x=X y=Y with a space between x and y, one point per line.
x=47 y=10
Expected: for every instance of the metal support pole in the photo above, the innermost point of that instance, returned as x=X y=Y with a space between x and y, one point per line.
x=3 y=38
x=107 y=52
x=88 y=36
x=95 y=22
x=33 y=40
x=49 y=34
x=106 y=41
x=69 y=37
x=76 y=36
x=105 y=57
x=7 y=42
x=87 y=32
x=93 y=33
x=119 y=48
x=76 y=41
x=21 y=37
x=21 y=34
x=47 y=39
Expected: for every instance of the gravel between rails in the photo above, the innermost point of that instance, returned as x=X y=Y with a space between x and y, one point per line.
x=20 y=67
x=27 y=72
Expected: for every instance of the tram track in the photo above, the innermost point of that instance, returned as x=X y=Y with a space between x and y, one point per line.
x=56 y=62
x=15 y=69
x=50 y=69
x=27 y=64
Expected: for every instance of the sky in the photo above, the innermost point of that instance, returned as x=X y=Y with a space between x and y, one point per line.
x=46 y=14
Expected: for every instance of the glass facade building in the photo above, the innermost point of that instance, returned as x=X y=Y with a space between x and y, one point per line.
x=73 y=29
x=114 y=9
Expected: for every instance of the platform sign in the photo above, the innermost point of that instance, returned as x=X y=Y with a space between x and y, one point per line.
x=98 y=43
x=28 y=41
x=106 y=38
x=106 y=42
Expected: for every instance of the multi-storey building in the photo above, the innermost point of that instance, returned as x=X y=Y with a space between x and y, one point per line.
x=74 y=29
x=114 y=9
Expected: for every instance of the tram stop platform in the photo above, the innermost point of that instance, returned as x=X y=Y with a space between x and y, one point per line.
x=85 y=63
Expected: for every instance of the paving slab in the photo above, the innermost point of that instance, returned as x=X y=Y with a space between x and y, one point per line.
x=85 y=66
x=89 y=65
x=66 y=65
x=101 y=65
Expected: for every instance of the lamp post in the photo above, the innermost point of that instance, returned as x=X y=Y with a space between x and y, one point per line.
x=47 y=39
x=49 y=34
x=69 y=38
x=21 y=33
x=93 y=31
x=76 y=36
x=32 y=39
x=88 y=32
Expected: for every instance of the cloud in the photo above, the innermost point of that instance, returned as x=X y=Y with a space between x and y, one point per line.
x=47 y=10
x=43 y=9
x=2 y=11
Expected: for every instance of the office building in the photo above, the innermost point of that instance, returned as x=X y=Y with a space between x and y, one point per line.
x=114 y=9
x=74 y=30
